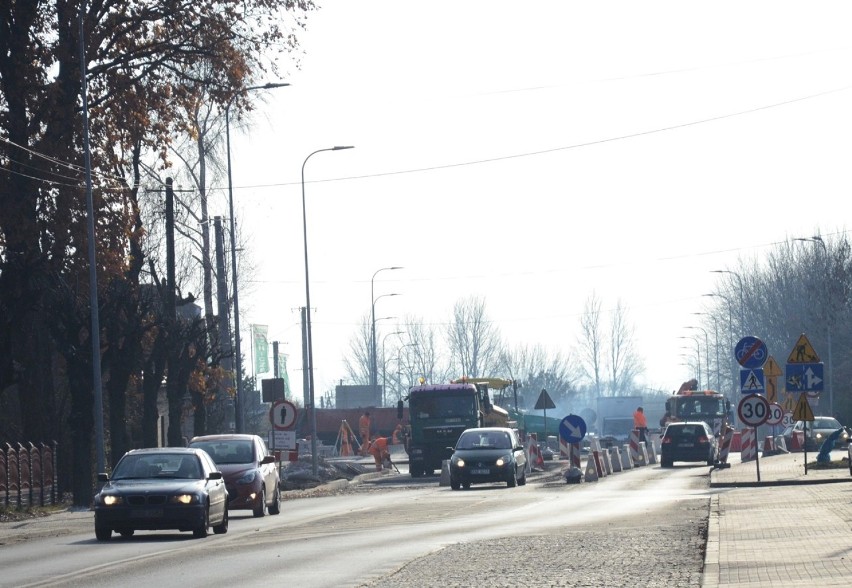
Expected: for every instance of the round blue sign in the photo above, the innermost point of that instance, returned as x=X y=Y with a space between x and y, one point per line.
x=750 y=352
x=572 y=429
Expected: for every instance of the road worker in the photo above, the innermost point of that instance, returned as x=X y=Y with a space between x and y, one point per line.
x=378 y=447
x=397 y=435
x=364 y=430
x=640 y=423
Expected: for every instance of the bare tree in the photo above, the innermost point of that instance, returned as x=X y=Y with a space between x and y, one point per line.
x=590 y=343
x=474 y=341
x=358 y=362
x=623 y=362
x=534 y=369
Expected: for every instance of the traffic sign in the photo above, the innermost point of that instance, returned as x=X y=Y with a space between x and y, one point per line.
x=751 y=381
x=804 y=377
x=750 y=352
x=282 y=415
x=803 y=410
x=776 y=414
x=753 y=410
x=787 y=420
x=544 y=401
x=771 y=368
x=803 y=352
x=572 y=429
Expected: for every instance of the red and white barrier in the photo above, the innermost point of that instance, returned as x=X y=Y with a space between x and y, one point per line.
x=534 y=457
x=615 y=458
x=748 y=450
x=725 y=448
x=637 y=450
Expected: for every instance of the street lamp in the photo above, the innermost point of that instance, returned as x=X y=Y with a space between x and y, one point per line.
x=697 y=354
x=238 y=395
x=716 y=329
x=706 y=352
x=309 y=360
x=374 y=376
x=742 y=299
x=384 y=366
x=818 y=239
x=730 y=341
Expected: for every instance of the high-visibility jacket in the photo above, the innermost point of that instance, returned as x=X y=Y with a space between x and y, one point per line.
x=379 y=447
x=639 y=420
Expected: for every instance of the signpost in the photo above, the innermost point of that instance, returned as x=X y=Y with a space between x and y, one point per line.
x=282 y=417
x=572 y=429
x=803 y=374
x=753 y=410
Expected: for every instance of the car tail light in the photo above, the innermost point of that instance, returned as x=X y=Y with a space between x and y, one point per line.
x=702 y=440
x=667 y=440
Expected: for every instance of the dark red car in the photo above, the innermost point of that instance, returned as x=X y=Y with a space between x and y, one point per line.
x=250 y=471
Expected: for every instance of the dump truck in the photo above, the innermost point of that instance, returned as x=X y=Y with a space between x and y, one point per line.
x=615 y=418
x=691 y=404
x=437 y=416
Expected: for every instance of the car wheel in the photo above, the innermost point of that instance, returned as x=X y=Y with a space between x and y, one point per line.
x=200 y=532
x=261 y=510
x=466 y=485
x=513 y=479
x=222 y=527
x=455 y=484
x=103 y=533
x=666 y=463
x=126 y=533
x=523 y=480
x=275 y=507
x=416 y=472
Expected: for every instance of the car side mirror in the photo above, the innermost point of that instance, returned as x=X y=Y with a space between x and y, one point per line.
x=268 y=459
x=399 y=410
x=451 y=449
x=102 y=477
x=215 y=476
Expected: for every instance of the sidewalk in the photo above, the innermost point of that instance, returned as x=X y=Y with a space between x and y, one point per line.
x=788 y=529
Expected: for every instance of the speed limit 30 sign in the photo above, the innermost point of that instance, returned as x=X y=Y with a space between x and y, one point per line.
x=753 y=410
x=776 y=414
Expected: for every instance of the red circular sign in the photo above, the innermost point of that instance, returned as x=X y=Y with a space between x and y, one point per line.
x=282 y=415
x=753 y=410
x=776 y=414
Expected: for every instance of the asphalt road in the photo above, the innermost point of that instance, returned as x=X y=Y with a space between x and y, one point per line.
x=646 y=526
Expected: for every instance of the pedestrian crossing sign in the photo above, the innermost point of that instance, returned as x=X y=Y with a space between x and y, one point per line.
x=752 y=381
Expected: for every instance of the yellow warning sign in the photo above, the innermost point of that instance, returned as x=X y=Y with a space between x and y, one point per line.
x=803 y=411
x=789 y=402
x=771 y=368
x=803 y=352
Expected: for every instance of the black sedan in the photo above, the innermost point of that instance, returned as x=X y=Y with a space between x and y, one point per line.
x=489 y=454
x=689 y=441
x=160 y=489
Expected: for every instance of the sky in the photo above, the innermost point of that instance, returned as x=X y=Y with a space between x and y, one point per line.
x=531 y=155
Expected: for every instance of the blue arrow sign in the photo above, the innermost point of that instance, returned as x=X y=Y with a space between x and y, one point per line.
x=803 y=377
x=752 y=381
x=572 y=429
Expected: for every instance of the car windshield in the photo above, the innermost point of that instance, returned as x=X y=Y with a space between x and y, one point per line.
x=158 y=465
x=675 y=432
x=484 y=440
x=828 y=423
x=230 y=451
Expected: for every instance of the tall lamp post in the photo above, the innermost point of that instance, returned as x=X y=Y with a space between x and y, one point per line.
x=374 y=372
x=742 y=298
x=309 y=360
x=238 y=398
x=716 y=329
x=697 y=354
x=706 y=352
x=818 y=239
x=384 y=366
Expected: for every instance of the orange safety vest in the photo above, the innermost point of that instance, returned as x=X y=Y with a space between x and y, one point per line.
x=639 y=420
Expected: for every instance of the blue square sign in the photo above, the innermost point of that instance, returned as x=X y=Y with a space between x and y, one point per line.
x=752 y=381
x=803 y=377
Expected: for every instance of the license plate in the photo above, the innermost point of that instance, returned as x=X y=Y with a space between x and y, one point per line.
x=480 y=472
x=685 y=445
x=147 y=513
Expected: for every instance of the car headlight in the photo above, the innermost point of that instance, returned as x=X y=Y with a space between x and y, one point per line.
x=460 y=463
x=248 y=477
x=184 y=499
x=112 y=500
x=818 y=435
x=501 y=461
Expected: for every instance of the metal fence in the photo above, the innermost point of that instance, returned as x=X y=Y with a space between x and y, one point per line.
x=28 y=475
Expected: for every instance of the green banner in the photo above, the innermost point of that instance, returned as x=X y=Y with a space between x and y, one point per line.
x=261 y=348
